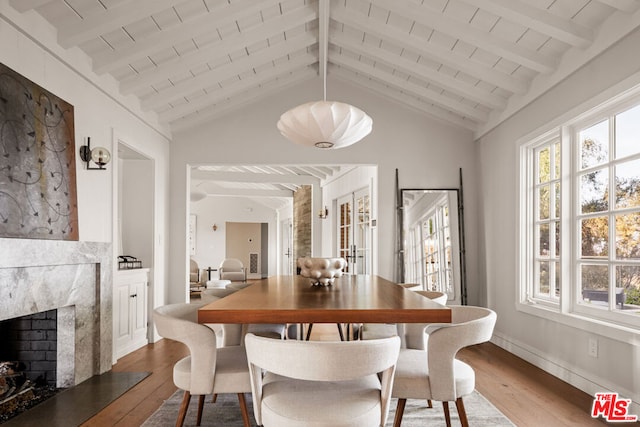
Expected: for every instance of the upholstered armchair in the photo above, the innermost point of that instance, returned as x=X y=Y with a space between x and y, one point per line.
x=232 y=269
x=194 y=274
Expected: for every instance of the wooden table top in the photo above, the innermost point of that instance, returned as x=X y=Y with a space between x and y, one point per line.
x=351 y=299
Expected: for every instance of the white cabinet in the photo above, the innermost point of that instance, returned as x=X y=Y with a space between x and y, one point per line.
x=130 y=310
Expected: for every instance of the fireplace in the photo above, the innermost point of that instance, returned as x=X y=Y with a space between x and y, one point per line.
x=32 y=341
x=73 y=278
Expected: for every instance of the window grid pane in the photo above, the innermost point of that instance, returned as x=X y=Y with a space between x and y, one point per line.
x=609 y=223
x=546 y=230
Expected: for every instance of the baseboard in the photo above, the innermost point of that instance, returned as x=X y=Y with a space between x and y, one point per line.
x=585 y=381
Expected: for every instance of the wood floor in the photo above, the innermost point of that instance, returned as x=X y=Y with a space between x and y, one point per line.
x=524 y=393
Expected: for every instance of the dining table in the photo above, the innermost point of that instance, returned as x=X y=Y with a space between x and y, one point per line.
x=349 y=299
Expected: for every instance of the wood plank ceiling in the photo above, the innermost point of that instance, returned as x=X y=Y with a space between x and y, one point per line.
x=467 y=62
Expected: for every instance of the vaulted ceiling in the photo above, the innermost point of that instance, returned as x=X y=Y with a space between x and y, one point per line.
x=467 y=62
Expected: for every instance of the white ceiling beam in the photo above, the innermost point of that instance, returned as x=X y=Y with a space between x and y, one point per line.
x=205 y=80
x=202 y=56
x=428 y=74
x=187 y=30
x=291 y=187
x=111 y=19
x=24 y=5
x=628 y=6
x=248 y=177
x=247 y=192
x=237 y=88
x=325 y=169
x=323 y=38
x=538 y=19
x=314 y=171
x=239 y=101
x=402 y=99
x=519 y=54
x=430 y=50
x=408 y=86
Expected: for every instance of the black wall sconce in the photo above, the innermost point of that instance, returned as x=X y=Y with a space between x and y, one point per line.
x=98 y=155
x=323 y=213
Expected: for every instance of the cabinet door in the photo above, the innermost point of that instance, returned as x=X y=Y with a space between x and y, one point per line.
x=139 y=311
x=123 y=316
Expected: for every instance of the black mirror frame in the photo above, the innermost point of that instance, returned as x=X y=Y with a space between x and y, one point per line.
x=400 y=265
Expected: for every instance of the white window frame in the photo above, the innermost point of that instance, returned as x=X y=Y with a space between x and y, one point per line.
x=566 y=310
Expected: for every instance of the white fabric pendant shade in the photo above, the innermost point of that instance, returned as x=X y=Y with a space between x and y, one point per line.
x=325 y=124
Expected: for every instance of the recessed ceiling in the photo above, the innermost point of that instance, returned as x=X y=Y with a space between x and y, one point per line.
x=467 y=62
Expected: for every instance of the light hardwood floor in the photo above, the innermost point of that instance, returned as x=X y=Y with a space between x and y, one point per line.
x=524 y=393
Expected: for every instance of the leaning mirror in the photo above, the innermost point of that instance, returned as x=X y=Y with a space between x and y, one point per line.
x=432 y=236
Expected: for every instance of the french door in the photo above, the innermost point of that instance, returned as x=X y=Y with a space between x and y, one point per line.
x=354 y=231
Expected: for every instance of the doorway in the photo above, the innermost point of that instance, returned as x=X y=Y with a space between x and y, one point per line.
x=354 y=231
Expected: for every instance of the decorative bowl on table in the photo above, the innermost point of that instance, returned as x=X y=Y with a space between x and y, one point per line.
x=321 y=271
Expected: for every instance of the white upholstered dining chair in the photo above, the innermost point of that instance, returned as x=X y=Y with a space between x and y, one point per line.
x=415 y=335
x=411 y=334
x=435 y=373
x=207 y=369
x=321 y=383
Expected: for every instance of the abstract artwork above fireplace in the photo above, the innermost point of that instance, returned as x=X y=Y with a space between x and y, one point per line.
x=38 y=198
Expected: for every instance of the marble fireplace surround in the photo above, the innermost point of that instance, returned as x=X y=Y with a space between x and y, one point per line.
x=76 y=279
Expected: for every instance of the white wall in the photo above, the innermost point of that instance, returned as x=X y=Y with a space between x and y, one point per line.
x=28 y=46
x=560 y=349
x=426 y=152
x=210 y=245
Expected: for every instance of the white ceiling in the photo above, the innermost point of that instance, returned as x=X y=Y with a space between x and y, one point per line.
x=470 y=63
x=467 y=62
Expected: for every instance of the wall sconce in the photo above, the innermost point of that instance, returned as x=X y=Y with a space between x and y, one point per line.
x=215 y=227
x=99 y=155
x=323 y=213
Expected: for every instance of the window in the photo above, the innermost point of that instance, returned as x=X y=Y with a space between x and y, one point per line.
x=580 y=229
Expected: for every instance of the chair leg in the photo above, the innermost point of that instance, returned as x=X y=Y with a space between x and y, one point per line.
x=461 y=412
x=186 y=397
x=340 y=331
x=200 y=407
x=214 y=397
x=429 y=403
x=309 y=331
x=447 y=416
x=399 y=412
x=243 y=409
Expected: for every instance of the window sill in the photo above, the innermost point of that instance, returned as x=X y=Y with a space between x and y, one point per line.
x=621 y=333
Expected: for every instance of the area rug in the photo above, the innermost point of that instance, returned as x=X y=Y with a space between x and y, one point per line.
x=226 y=412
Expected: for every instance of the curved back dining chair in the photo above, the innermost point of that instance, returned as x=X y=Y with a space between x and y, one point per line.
x=207 y=369
x=411 y=334
x=435 y=373
x=321 y=383
x=232 y=334
x=416 y=334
